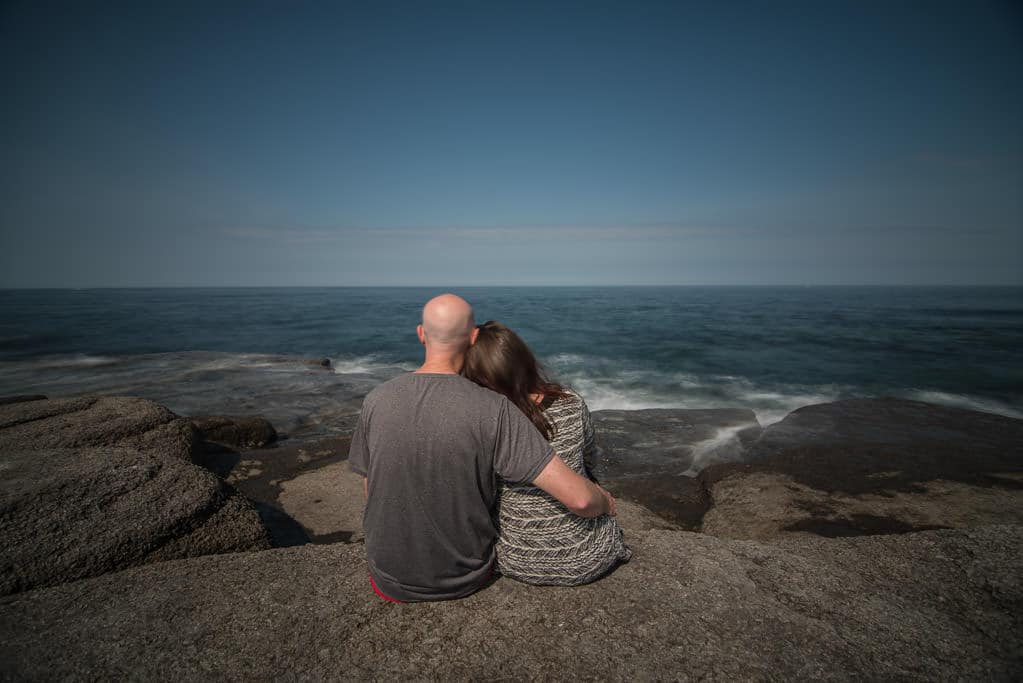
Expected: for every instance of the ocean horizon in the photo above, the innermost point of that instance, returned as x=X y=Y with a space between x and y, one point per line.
x=530 y=286
x=770 y=348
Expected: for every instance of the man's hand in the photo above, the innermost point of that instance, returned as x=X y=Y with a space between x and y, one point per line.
x=576 y=492
x=612 y=509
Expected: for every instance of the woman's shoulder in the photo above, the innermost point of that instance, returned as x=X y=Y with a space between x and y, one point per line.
x=569 y=401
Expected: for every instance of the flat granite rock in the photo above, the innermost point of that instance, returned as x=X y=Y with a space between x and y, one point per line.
x=653 y=456
x=328 y=502
x=870 y=466
x=930 y=605
x=93 y=485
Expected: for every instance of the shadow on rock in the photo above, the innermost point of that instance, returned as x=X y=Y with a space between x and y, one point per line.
x=303 y=491
x=285 y=531
x=856 y=525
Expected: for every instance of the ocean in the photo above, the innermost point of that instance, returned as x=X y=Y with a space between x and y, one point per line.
x=242 y=351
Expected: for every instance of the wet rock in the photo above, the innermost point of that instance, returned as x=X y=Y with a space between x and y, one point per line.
x=4 y=400
x=240 y=432
x=930 y=605
x=92 y=485
x=653 y=456
x=871 y=466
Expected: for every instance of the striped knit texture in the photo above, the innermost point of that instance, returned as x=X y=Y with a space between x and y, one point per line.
x=540 y=541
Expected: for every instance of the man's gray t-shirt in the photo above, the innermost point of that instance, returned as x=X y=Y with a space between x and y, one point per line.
x=432 y=447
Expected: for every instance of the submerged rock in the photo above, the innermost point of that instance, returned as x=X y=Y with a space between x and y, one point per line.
x=93 y=485
x=240 y=432
x=871 y=466
x=941 y=604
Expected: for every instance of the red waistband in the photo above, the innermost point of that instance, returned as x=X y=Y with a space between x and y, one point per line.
x=377 y=591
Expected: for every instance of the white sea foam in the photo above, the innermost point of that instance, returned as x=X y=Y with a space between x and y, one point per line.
x=367 y=365
x=603 y=395
x=353 y=366
x=232 y=361
x=983 y=405
x=638 y=390
x=566 y=358
x=78 y=360
x=724 y=446
x=771 y=407
x=688 y=381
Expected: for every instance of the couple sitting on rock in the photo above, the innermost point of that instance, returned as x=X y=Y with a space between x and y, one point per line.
x=476 y=464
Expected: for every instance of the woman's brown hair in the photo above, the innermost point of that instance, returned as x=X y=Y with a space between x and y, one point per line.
x=501 y=362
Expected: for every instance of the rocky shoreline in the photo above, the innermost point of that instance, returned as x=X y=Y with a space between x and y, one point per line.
x=871 y=538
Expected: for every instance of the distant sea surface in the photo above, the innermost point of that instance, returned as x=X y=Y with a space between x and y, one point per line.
x=771 y=349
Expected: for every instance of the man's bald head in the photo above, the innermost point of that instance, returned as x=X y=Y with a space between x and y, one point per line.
x=447 y=322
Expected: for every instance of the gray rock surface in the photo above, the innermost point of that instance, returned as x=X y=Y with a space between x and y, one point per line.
x=940 y=604
x=241 y=432
x=653 y=456
x=92 y=485
x=870 y=466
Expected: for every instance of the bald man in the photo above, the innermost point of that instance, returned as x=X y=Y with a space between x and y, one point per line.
x=430 y=446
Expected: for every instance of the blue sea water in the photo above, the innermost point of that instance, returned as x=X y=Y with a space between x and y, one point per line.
x=772 y=349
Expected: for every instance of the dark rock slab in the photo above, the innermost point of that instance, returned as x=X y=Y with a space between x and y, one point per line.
x=915 y=441
x=652 y=456
x=240 y=432
x=96 y=484
x=869 y=466
x=4 y=400
x=932 y=605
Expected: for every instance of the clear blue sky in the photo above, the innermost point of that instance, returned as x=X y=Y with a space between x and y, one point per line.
x=151 y=144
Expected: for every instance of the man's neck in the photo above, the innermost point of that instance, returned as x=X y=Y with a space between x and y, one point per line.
x=442 y=365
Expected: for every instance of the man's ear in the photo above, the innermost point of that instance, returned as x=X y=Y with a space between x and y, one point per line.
x=473 y=335
x=421 y=334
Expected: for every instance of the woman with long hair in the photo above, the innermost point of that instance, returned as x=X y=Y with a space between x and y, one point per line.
x=539 y=540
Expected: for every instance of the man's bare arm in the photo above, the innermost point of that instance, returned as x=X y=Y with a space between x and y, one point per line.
x=577 y=493
x=365 y=488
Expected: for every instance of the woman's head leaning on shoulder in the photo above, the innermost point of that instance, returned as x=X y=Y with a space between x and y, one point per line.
x=502 y=362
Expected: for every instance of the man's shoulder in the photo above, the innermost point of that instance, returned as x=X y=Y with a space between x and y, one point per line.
x=411 y=383
x=381 y=389
x=390 y=384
